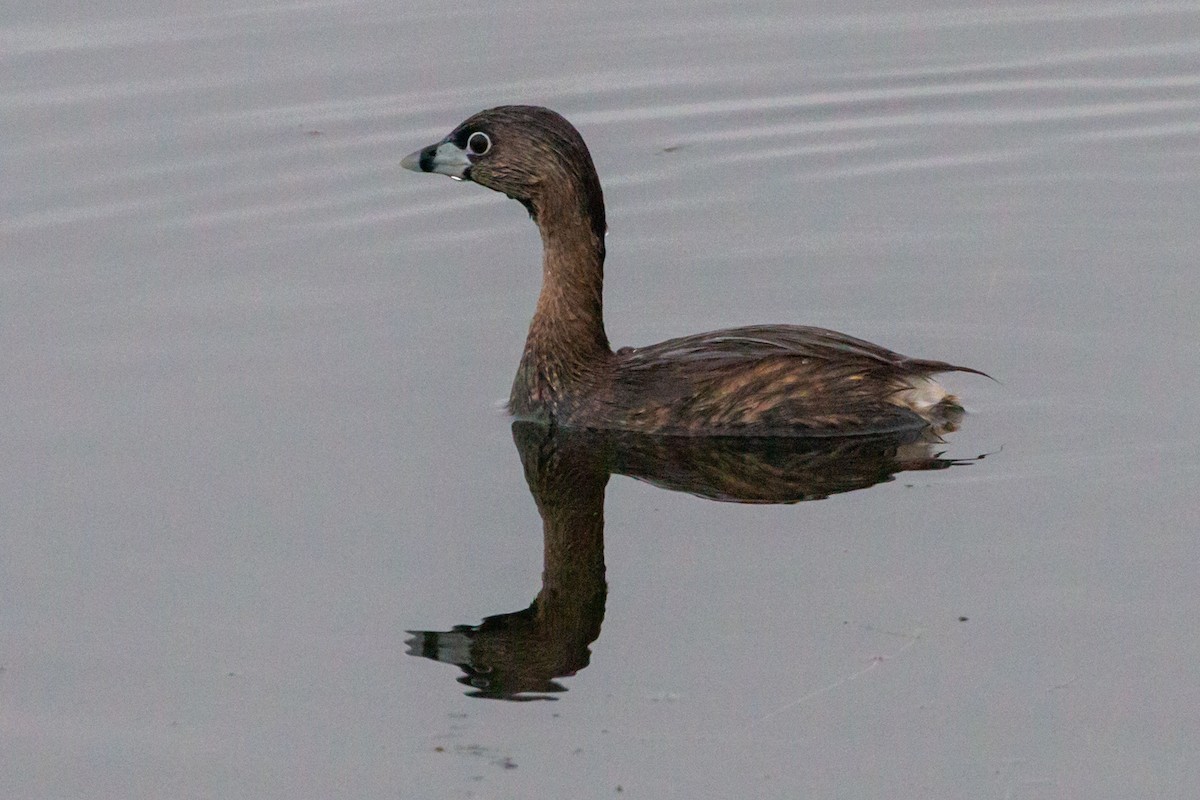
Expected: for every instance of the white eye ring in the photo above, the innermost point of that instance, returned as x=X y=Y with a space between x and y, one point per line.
x=478 y=143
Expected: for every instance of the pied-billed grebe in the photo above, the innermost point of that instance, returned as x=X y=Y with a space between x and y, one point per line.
x=765 y=380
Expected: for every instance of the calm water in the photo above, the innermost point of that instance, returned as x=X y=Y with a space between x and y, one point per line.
x=254 y=456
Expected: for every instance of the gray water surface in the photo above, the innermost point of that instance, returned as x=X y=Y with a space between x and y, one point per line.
x=251 y=419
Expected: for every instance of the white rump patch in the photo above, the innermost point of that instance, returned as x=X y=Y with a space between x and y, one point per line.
x=919 y=393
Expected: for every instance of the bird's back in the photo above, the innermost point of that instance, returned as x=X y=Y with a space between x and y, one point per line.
x=770 y=380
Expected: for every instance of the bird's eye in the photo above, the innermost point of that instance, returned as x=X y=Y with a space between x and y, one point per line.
x=478 y=143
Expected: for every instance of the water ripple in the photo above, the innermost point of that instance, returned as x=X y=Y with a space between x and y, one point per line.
x=219 y=146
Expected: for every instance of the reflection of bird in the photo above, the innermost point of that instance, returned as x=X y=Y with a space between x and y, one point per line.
x=767 y=380
x=510 y=656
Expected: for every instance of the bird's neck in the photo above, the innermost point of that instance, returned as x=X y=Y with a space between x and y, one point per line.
x=569 y=318
x=567 y=345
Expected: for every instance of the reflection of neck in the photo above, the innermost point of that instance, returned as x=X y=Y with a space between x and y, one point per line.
x=568 y=483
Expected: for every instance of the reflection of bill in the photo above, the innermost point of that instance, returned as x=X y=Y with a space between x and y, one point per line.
x=518 y=656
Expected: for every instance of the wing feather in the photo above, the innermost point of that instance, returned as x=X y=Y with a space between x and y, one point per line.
x=769 y=377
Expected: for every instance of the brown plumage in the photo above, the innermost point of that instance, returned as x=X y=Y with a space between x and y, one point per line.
x=766 y=380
